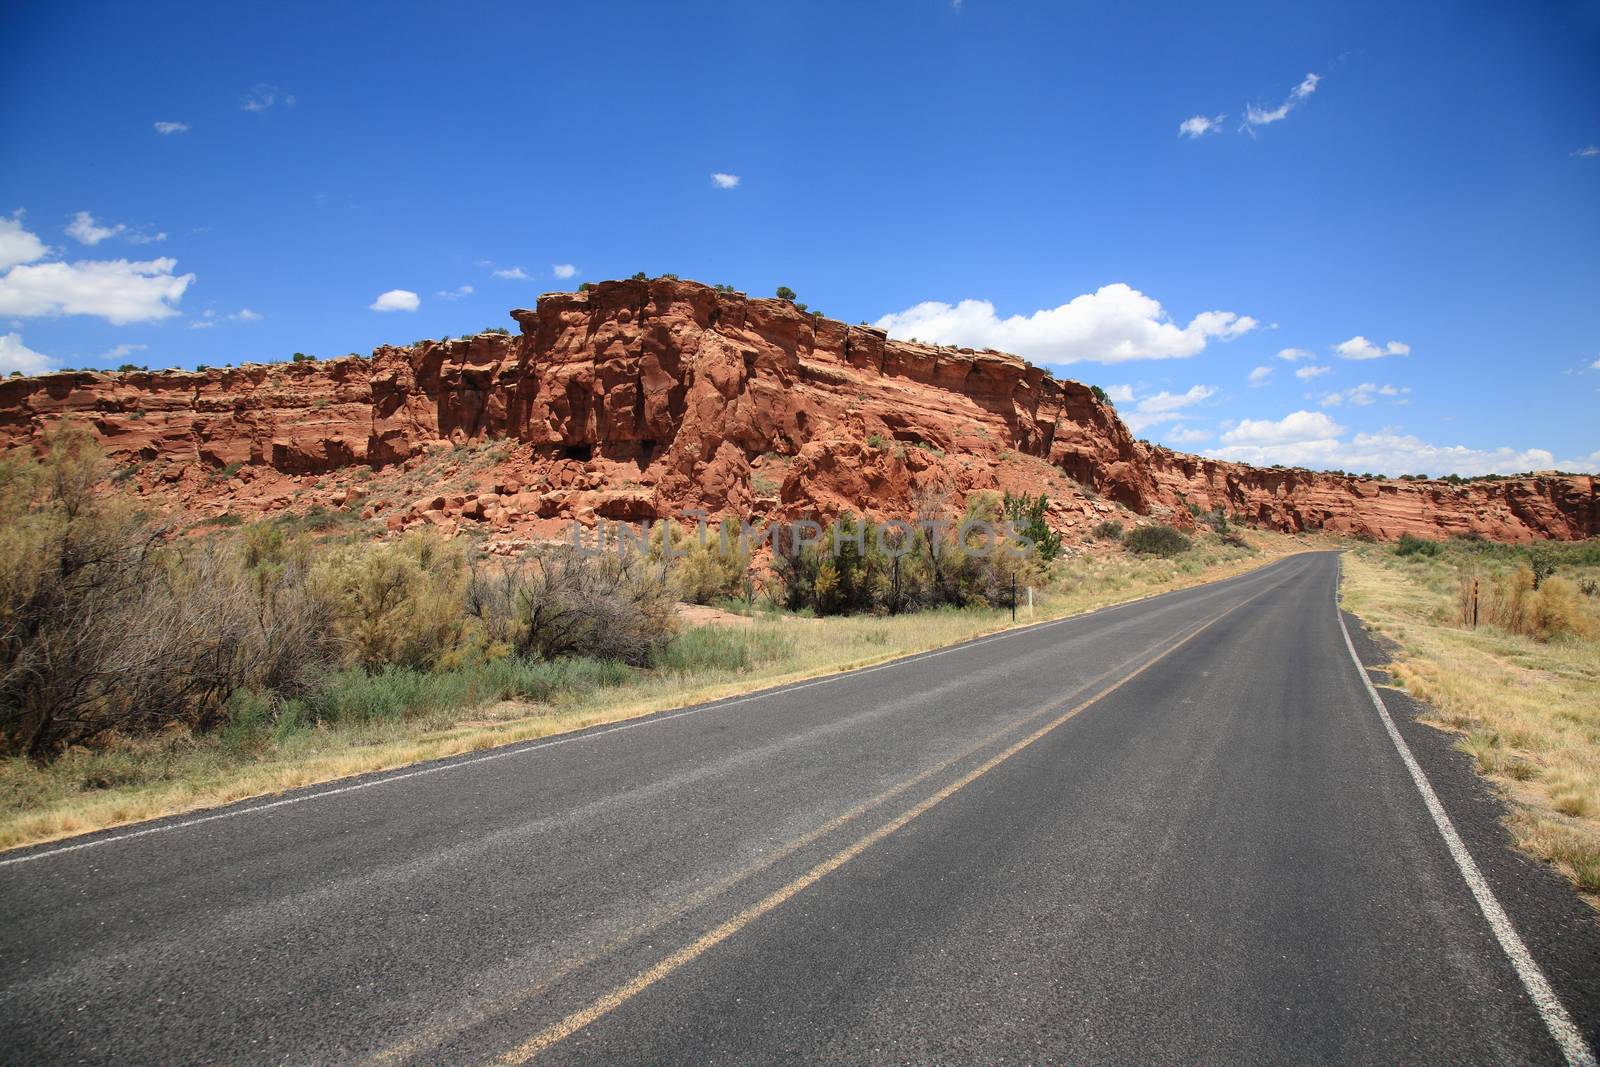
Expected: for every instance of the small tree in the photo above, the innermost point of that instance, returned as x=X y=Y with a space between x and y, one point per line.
x=1026 y=515
x=1100 y=394
x=786 y=293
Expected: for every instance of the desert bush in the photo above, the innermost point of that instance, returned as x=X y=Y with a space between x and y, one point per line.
x=398 y=604
x=1157 y=540
x=1516 y=603
x=942 y=561
x=705 y=566
x=103 y=628
x=558 y=602
x=1109 y=530
x=1411 y=545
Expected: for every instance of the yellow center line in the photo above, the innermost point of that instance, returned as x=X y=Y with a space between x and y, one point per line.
x=620 y=995
x=433 y=1035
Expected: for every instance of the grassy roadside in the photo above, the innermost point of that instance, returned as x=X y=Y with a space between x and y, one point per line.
x=177 y=771
x=1526 y=708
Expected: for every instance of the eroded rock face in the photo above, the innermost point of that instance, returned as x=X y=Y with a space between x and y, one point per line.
x=642 y=399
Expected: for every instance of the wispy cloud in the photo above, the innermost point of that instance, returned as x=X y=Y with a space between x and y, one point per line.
x=724 y=181
x=512 y=274
x=1588 y=151
x=1305 y=374
x=263 y=97
x=1164 y=407
x=1255 y=115
x=1367 y=393
x=122 y=352
x=1293 y=354
x=1260 y=375
x=1200 y=125
x=169 y=128
x=563 y=270
x=455 y=294
x=86 y=231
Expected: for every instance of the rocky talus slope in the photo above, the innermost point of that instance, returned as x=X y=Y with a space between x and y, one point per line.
x=642 y=399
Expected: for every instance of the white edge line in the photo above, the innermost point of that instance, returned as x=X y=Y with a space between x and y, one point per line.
x=449 y=763
x=1556 y=1020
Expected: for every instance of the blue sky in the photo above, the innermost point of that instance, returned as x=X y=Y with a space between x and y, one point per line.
x=1159 y=199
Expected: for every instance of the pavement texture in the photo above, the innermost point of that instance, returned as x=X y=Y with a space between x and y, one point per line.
x=1174 y=830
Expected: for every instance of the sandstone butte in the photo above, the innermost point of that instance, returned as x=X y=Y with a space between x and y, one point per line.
x=643 y=399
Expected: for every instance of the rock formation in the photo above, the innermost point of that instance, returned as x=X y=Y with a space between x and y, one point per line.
x=641 y=399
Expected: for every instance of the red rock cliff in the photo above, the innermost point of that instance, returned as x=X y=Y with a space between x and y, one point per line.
x=640 y=399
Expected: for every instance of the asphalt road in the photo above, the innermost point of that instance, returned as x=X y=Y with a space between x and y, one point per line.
x=1177 y=830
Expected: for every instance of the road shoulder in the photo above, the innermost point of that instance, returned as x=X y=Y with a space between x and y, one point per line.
x=1560 y=929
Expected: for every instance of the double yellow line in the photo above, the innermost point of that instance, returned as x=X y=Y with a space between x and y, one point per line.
x=624 y=992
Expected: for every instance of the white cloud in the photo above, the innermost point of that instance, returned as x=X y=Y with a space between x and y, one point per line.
x=512 y=273
x=17 y=245
x=1359 y=347
x=86 y=231
x=1123 y=394
x=14 y=355
x=563 y=270
x=202 y=324
x=1365 y=394
x=1200 y=125
x=1595 y=365
x=1394 y=453
x=1184 y=435
x=245 y=315
x=117 y=290
x=1255 y=115
x=1292 y=354
x=724 y=181
x=1163 y=407
x=1113 y=324
x=1588 y=151
x=1293 y=428
x=455 y=294
x=1305 y=374
x=168 y=128
x=1260 y=375
x=262 y=97
x=396 y=300
x=122 y=352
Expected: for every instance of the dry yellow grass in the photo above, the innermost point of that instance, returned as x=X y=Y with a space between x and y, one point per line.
x=1527 y=710
x=176 y=774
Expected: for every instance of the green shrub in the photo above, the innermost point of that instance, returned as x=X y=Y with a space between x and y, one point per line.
x=1109 y=530
x=1411 y=545
x=786 y=293
x=1157 y=540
